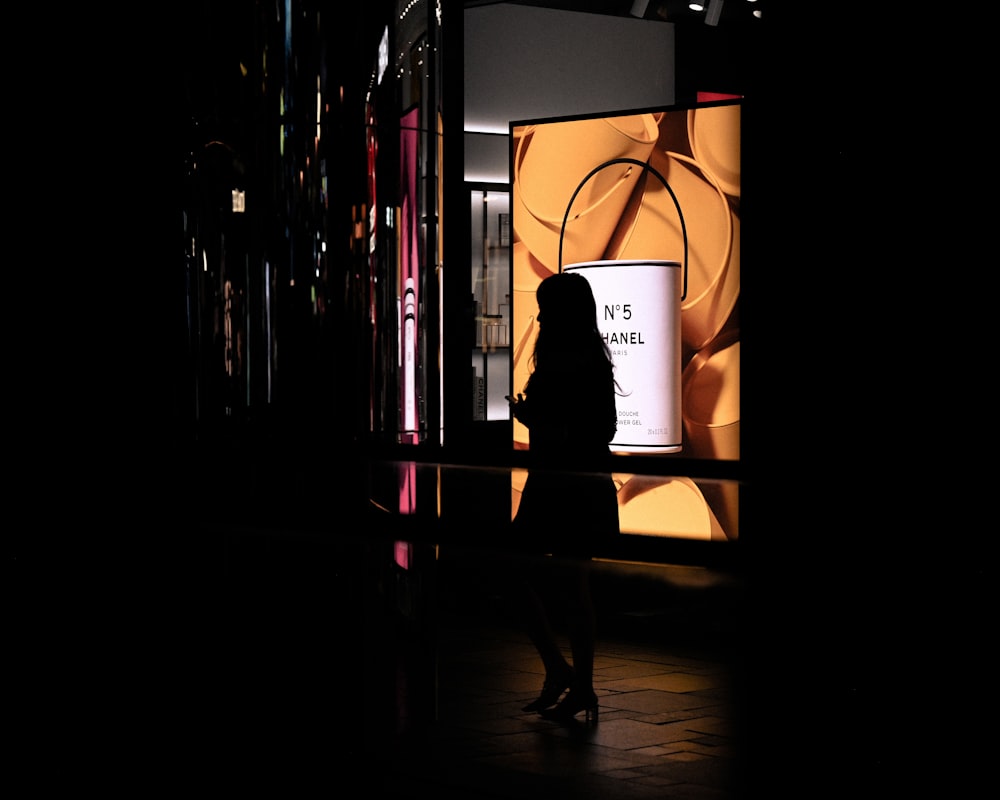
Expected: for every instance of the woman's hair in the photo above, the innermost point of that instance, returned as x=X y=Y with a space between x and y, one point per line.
x=567 y=317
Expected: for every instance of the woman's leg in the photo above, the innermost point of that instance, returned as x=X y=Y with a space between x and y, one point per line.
x=558 y=672
x=582 y=624
x=582 y=630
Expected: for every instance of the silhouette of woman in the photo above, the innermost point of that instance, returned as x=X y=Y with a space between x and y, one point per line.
x=568 y=406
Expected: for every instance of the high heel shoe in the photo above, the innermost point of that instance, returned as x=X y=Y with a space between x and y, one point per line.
x=572 y=704
x=552 y=690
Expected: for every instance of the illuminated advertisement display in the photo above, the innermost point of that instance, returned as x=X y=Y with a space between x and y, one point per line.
x=646 y=206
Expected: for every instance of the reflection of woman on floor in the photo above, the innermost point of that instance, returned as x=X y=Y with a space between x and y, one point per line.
x=568 y=406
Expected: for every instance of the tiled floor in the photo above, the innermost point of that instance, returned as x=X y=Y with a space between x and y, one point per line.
x=301 y=665
x=666 y=677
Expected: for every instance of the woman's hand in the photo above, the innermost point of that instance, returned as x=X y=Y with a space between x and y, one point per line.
x=518 y=407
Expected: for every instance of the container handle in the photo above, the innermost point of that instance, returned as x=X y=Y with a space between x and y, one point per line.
x=648 y=168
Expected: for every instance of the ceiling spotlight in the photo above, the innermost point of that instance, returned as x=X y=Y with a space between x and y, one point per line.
x=697 y=5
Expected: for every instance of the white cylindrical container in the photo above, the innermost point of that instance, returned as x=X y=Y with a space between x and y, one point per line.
x=638 y=312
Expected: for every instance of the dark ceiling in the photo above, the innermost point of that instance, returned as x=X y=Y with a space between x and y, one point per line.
x=720 y=13
x=719 y=47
